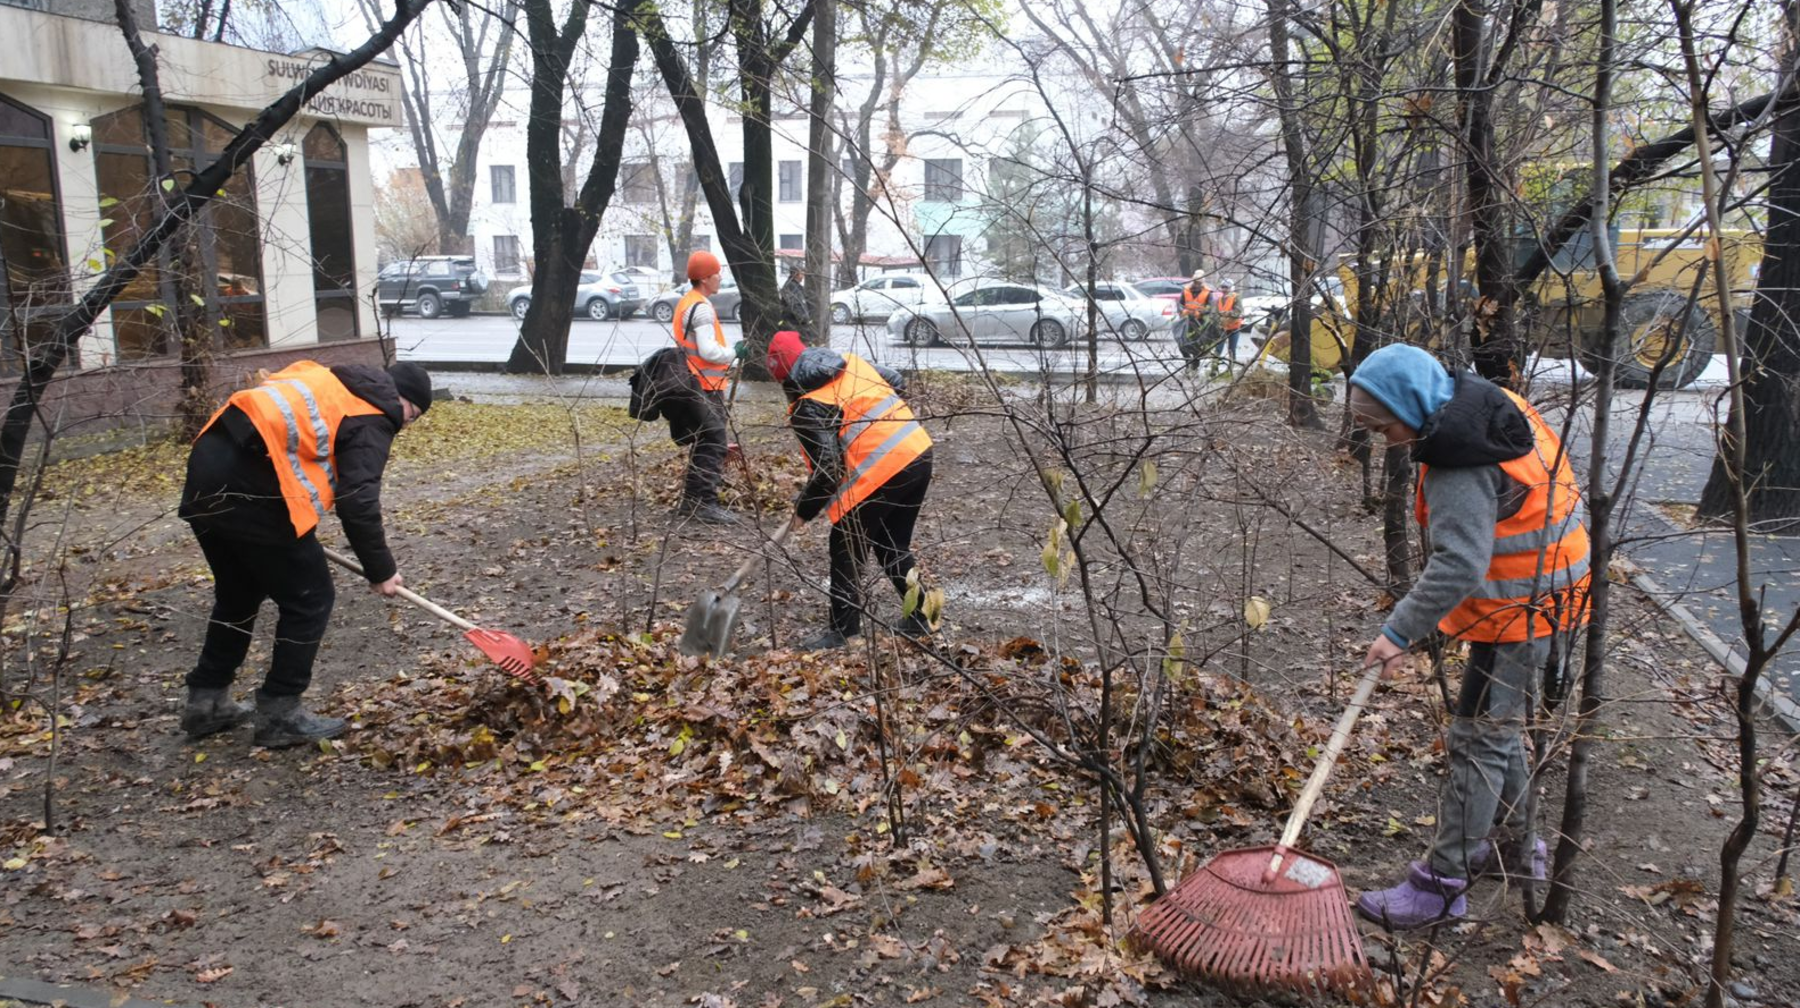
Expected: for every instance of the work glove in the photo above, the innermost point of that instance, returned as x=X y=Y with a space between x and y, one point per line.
x=742 y=349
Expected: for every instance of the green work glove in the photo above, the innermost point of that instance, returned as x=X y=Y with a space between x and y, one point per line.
x=742 y=349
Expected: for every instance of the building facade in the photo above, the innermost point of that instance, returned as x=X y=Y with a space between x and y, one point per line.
x=279 y=266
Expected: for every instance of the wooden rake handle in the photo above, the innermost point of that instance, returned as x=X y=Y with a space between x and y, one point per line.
x=406 y=593
x=1327 y=761
x=743 y=571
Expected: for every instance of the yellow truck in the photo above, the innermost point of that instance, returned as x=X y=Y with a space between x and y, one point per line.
x=1669 y=314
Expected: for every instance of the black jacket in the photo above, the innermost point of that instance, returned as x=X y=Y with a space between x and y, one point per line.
x=816 y=423
x=1478 y=426
x=232 y=489
x=794 y=302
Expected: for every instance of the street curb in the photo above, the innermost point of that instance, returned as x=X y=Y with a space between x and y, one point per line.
x=38 y=993
x=1780 y=707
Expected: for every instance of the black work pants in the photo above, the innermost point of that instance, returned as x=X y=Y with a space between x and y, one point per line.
x=1196 y=339
x=884 y=521
x=245 y=573
x=698 y=422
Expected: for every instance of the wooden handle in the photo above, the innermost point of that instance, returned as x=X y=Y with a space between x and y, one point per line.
x=743 y=572
x=1327 y=760
x=406 y=593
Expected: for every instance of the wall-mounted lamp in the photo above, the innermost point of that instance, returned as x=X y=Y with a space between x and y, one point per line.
x=80 y=135
x=284 y=153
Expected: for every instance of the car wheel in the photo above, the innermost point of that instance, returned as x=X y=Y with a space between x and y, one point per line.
x=921 y=332
x=599 y=310
x=1135 y=331
x=664 y=311
x=430 y=305
x=1047 y=333
x=840 y=314
x=519 y=307
x=730 y=314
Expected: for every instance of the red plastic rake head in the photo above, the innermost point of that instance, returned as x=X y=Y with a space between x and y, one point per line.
x=510 y=653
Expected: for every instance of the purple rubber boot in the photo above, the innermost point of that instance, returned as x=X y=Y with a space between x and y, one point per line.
x=1424 y=898
x=1483 y=863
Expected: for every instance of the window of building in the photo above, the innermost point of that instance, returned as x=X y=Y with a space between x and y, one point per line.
x=790 y=242
x=943 y=253
x=640 y=250
x=32 y=264
x=506 y=255
x=790 y=182
x=221 y=267
x=734 y=177
x=503 y=183
x=637 y=182
x=943 y=180
x=328 y=223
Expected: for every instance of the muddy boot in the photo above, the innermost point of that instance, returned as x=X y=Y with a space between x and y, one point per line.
x=915 y=628
x=705 y=511
x=1424 y=898
x=212 y=710
x=282 y=722
x=827 y=641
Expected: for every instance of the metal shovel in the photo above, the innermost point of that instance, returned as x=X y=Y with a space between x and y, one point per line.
x=510 y=653
x=713 y=615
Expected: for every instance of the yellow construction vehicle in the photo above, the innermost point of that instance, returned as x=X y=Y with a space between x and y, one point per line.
x=1669 y=315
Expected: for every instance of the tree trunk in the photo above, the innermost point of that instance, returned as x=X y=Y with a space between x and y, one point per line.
x=1498 y=350
x=820 y=169
x=562 y=234
x=1771 y=361
x=1302 y=253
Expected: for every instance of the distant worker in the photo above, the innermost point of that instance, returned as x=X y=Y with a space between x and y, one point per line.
x=796 y=307
x=699 y=422
x=1508 y=574
x=260 y=477
x=1228 y=317
x=871 y=467
x=1196 y=324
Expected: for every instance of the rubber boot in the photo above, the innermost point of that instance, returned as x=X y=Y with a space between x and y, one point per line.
x=915 y=628
x=827 y=641
x=705 y=511
x=1483 y=863
x=212 y=710
x=282 y=722
x=1424 y=898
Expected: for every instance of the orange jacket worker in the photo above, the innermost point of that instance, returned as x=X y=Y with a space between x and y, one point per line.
x=264 y=471
x=871 y=467
x=700 y=423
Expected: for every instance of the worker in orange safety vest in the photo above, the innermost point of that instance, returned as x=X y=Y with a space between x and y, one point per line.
x=699 y=422
x=1508 y=574
x=871 y=466
x=265 y=469
x=1196 y=326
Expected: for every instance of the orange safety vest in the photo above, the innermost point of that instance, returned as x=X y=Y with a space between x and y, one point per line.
x=1227 y=302
x=1537 y=582
x=878 y=435
x=297 y=411
x=1192 y=305
x=712 y=376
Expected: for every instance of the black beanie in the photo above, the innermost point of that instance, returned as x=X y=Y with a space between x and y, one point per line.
x=413 y=383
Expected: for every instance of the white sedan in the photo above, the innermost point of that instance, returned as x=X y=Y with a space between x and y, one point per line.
x=992 y=313
x=1125 y=312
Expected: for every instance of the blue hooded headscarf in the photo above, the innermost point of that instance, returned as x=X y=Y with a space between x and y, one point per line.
x=1407 y=380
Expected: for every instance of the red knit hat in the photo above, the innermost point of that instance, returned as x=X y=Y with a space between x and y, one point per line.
x=784 y=349
x=702 y=264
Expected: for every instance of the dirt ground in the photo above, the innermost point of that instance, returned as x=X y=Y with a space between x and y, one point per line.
x=874 y=826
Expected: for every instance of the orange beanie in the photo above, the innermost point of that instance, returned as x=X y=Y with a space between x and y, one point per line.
x=784 y=350
x=702 y=264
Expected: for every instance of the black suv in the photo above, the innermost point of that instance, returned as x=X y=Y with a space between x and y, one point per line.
x=430 y=285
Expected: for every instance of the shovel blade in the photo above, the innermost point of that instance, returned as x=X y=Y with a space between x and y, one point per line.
x=710 y=621
x=503 y=649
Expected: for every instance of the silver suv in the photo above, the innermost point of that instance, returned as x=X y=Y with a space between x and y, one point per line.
x=431 y=285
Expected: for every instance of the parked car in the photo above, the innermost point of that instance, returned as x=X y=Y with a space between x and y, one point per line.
x=1168 y=288
x=662 y=306
x=879 y=297
x=1125 y=311
x=994 y=312
x=430 y=285
x=600 y=296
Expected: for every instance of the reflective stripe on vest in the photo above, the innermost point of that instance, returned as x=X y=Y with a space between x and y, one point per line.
x=878 y=434
x=1537 y=579
x=712 y=376
x=297 y=410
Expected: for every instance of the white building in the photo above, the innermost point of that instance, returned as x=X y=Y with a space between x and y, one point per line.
x=284 y=253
